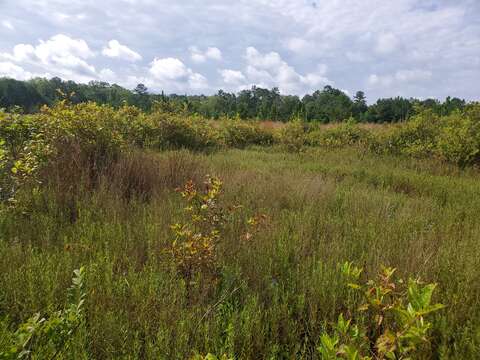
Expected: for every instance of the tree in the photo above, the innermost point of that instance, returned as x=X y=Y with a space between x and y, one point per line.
x=328 y=105
x=390 y=110
x=141 y=98
x=359 y=105
x=141 y=90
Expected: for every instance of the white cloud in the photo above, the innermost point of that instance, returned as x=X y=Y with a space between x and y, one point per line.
x=270 y=70
x=356 y=56
x=352 y=37
x=8 y=69
x=199 y=56
x=117 y=50
x=213 y=53
x=197 y=81
x=107 y=75
x=7 y=24
x=400 y=76
x=413 y=75
x=168 y=69
x=61 y=56
x=297 y=45
x=386 y=44
x=172 y=74
x=232 y=77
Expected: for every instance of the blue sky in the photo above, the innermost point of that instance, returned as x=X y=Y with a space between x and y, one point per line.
x=386 y=48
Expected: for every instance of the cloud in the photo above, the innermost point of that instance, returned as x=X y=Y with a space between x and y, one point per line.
x=270 y=70
x=10 y=70
x=232 y=77
x=168 y=69
x=354 y=38
x=108 y=75
x=386 y=43
x=400 y=76
x=297 y=45
x=198 y=56
x=61 y=55
x=117 y=50
x=172 y=74
x=7 y=24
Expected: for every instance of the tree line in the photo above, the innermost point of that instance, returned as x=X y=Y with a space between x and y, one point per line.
x=326 y=105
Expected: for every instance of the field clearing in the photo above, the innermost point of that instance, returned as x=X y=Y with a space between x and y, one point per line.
x=323 y=207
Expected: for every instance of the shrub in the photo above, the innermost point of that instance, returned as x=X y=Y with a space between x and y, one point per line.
x=345 y=134
x=171 y=131
x=292 y=136
x=417 y=137
x=391 y=322
x=24 y=149
x=237 y=133
x=195 y=245
x=459 y=139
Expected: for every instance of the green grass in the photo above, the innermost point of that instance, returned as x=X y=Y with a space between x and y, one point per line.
x=279 y=291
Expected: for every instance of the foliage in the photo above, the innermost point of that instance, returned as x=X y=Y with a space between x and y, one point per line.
x=324 y=205
x=454 y=138
x=328 y=105
x=391 y=320
x=345 y=134
x=195 y=245
x=240 y=134
x=323 y=105
x=41 y=337
x=292 y=136
x=459 y=139
x=179 y=131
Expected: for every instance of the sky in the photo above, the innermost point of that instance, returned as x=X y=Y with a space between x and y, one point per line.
x=423 y=48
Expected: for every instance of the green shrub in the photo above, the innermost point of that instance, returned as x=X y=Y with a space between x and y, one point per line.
x=292 y=136
x=345 y=134
x=459 y=139
x=390 y=323
x=417 y=137
x=171 y=131
x=240 y=134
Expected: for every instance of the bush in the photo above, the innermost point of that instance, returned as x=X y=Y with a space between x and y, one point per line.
x=292 y=136
x=416 y=137
x=239 y=134
x=171 y=131
x=345 y=134
x=459 y=139
x=194 y=247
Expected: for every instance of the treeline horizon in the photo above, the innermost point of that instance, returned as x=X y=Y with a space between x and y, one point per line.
x=326 y=105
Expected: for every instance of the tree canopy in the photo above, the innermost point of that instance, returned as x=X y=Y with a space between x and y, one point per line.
x=325 y=105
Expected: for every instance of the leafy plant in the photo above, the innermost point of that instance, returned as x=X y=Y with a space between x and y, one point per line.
x=47 y=337
x=391 y=322
x=195 y=243
x=292 y=136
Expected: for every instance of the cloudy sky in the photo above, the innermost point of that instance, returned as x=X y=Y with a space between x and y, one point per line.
x=420 y=48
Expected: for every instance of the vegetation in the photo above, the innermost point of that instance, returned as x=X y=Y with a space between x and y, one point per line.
x=325 y=106
x=221 y=239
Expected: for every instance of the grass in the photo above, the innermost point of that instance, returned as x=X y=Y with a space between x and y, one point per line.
x=276 y=293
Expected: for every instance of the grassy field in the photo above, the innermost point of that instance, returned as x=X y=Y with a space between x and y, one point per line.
x=278 y=291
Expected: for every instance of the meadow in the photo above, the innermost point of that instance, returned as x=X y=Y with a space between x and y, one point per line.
x=115 y=193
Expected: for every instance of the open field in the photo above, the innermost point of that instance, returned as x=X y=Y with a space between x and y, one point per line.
x=278 y=291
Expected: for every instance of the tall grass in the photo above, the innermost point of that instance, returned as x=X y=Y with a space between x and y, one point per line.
x=277 y=293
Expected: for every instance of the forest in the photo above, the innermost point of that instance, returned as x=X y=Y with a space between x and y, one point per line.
x=325 y=105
